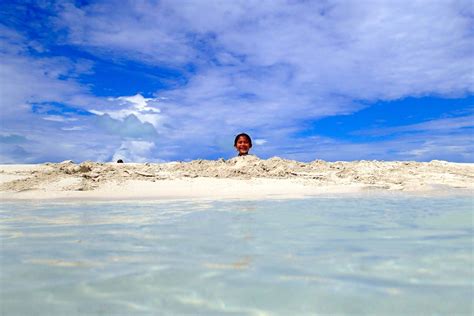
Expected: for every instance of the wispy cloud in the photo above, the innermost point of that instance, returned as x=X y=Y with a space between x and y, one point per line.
x=34 y=92
x=365 y=50
x=438 y=125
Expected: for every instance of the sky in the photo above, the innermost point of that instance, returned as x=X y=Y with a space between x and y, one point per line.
x=176 y=80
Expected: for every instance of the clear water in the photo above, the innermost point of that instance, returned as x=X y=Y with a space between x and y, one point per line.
x=389 y=255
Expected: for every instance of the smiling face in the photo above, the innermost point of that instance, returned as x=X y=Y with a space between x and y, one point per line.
x=243 y=145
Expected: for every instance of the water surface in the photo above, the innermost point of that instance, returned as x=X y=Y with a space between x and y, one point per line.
x=354 y=255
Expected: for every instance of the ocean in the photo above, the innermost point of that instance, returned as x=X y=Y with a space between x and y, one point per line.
x=344 y=255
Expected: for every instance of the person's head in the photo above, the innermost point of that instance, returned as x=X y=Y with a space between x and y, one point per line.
x=243 y=143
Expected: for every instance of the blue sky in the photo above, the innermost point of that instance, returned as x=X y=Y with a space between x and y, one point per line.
x=176 y=80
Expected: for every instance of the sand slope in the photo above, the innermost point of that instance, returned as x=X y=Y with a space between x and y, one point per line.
x=240 y=177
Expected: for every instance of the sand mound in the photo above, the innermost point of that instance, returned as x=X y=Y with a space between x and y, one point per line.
x=86 y=176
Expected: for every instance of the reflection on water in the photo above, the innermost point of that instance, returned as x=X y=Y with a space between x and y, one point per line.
x=390 y=255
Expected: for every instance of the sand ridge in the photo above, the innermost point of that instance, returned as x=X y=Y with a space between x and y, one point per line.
x=57 y=179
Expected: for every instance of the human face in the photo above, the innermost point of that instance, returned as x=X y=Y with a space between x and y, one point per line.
x=242 y=145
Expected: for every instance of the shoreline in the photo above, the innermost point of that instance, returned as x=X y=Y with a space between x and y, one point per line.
x=243 y=178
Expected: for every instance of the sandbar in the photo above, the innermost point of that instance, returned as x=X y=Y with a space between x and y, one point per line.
x=245 y=177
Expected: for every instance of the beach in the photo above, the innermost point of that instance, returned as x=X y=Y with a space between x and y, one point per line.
x=245 y=177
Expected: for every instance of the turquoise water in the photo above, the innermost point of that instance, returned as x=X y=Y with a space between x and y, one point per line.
x=393 y=255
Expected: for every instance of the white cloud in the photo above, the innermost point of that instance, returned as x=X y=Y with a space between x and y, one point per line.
x=140 y=102
x=134 y=151
x=49 y=83
x=361 y=49
x=453 y=146
x=25 y=80
x=260 y=141
x=135 y=105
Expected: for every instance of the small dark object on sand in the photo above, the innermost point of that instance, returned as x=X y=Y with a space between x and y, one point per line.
x=120 y=161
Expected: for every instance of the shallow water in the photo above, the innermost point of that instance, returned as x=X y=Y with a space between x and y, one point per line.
x=389 y=255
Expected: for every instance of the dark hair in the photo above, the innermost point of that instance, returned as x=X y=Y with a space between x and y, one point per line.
x=244 y=135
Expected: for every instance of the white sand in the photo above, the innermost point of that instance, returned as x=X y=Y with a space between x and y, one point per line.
x=241 y=177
